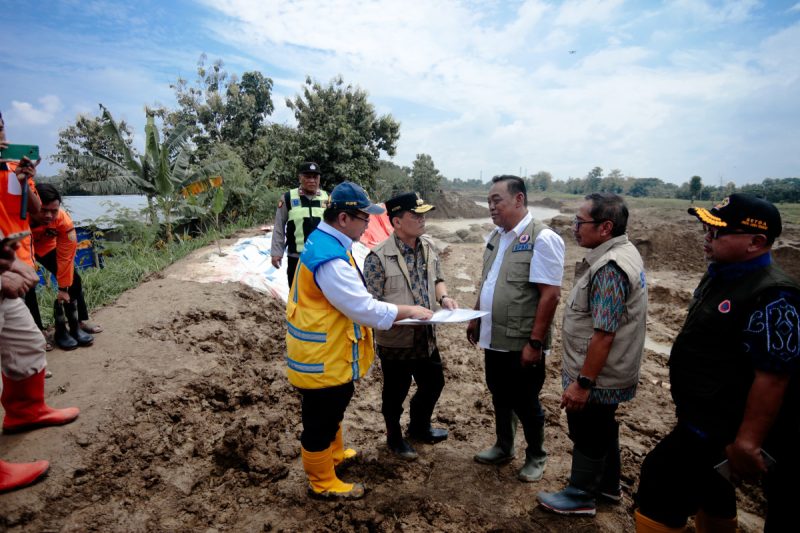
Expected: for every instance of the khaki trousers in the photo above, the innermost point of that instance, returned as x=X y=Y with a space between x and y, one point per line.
x=21 y=343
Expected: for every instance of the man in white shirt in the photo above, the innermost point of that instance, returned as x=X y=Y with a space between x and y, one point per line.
x=523 y=265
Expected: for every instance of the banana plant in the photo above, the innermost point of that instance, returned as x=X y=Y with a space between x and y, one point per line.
x=161 y=173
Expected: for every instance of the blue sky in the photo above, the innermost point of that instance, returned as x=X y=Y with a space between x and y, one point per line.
x=656 y=89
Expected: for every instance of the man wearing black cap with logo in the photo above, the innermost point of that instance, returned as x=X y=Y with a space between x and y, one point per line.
x=329 y=341
x=734 y=381
x=404 y=269
x=299 y=212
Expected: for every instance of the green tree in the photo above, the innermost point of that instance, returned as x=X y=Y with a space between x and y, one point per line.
x=594 y=180
x=220 y=107
x=391 y=180
x=695 y=187
x=340 y=130
x=541 y=181
x=613 y=182
x=425 y=177
x=80 y=139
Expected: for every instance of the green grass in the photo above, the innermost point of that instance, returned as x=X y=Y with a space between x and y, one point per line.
x=130 y=264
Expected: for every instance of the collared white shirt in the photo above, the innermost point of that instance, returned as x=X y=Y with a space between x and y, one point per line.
x=344 y=288
x=547 y=267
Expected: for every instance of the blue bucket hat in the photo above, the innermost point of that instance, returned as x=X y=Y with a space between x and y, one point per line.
x=347 y=196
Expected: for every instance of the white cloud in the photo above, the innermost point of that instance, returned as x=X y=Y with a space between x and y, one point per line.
x=27 y=113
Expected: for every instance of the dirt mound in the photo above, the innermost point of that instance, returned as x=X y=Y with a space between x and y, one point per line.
x=450 y=204
x=787 y=255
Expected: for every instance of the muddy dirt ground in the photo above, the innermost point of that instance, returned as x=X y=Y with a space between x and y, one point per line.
x=189 y=424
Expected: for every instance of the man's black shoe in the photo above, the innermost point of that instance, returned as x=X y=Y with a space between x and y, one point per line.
x=430 y=436
x=403 y=449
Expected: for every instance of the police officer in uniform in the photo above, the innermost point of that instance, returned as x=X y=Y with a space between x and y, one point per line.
x=299 y=212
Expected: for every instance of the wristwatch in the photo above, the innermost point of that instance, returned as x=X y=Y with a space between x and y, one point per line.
x=441 y=300
x=536 y=344
x=584 y=382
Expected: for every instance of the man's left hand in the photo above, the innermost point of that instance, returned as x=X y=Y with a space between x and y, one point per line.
x=530 y=356
x=449 y=303
x=574 y=398
x=62 y=296
x=745 y=459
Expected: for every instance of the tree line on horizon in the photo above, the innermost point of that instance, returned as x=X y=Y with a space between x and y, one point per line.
x=776 y=190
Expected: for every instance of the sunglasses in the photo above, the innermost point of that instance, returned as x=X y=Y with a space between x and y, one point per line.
x=362 y=219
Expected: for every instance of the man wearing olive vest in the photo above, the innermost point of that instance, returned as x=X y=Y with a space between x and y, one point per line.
x=523 y=264
x=603 y=339
x=404 y=269
x=329 y=340
x=299 y=212
x=734 y=370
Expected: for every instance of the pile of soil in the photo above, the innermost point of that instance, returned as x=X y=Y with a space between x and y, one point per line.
x=188 y=422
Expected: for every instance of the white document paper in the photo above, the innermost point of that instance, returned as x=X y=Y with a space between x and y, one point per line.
x=445 y=316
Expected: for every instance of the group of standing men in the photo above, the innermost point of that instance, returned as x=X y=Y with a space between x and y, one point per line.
x=733 y=367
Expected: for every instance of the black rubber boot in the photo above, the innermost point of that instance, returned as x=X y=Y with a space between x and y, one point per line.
x=503 y=450
x=397 y=444
x=83 y=338
x=609 y=487
x=62 y=337
x=578 y=497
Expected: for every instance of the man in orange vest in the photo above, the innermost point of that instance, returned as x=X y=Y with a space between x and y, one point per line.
x=22 y=355
x=55 y=244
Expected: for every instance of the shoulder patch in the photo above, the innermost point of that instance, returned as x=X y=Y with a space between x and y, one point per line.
x=724 y=306
x=280 y=203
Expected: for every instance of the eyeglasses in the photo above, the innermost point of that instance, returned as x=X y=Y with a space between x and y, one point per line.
x=716 y=232
x=578 y=222
x=362 y=219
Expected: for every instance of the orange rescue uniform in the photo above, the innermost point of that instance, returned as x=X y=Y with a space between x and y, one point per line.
x=59 y=235
x=10 y=198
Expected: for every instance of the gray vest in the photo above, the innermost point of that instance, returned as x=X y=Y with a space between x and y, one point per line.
x=397 y=287
x=622 y=366
x=515 y=298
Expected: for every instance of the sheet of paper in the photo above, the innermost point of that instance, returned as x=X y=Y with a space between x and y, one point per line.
x=445 y=316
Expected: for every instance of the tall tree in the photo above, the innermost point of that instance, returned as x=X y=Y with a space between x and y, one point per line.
x=541 y=181
x=391 y=180
x=613 y=182
x=220 y=107
x=593 y=180
x=425 y=176
x=340 y=130
x=695 y=187
x=82 y=138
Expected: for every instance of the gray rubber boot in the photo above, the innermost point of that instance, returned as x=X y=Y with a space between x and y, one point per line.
x=578 y=497
x=535 y=456
x=503 y=451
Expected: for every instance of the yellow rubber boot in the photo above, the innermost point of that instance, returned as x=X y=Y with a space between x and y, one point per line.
x=648 y=525
x=341 y=455
x=322 y=479
x=706 y=523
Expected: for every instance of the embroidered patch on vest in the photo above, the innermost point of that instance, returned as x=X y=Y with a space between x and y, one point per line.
x=725 y=306
x=522 y=247
x=524 y=238
x=642 y=279
x=295 y=202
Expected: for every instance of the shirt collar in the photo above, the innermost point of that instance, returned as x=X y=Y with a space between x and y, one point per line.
x=520 y=227
x=736 y=270
x=403 y=247
x=346 y=241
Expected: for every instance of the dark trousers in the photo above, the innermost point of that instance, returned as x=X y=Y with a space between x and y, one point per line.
x=50 y=262
x=322 y=412
x=517 y=388
x=291 y=266
x=678 y=479
x=397 y=374
x=594 y=430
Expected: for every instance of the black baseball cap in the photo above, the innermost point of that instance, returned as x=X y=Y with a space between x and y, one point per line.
x=348 y=196
x=744 y=212
x=409 y=201
x=309 y=167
